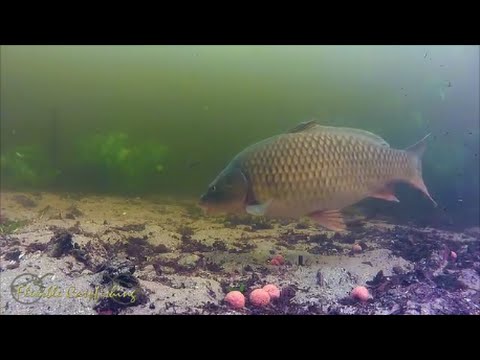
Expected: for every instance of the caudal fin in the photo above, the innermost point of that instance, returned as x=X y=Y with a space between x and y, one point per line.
x=416 y=153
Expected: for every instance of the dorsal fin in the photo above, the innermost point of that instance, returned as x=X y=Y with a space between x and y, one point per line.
x=303 y=126
x=314 y=126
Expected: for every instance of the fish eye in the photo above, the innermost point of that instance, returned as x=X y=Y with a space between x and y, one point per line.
x=213 y=188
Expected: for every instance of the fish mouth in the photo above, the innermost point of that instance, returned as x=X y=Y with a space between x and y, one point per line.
x=203 y=198
x=208 y=208
x=202 y=204
x=205 y=210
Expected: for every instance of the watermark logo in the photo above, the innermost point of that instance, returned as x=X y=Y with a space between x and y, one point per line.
x=29 y=288
x=117 y=292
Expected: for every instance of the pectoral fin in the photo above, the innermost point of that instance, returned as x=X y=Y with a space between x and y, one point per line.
x=330 y=219
x=258 y=209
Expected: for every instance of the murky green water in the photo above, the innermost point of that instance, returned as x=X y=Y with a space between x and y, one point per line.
x=166 y=119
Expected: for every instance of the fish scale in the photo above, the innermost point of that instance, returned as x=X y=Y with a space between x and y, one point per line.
x=321 y=166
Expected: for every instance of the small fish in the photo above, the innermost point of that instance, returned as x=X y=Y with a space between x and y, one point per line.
x=19 y=155
x=425 y=55
x=314 y=171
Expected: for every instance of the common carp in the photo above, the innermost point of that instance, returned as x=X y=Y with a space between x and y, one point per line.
x=314 y=170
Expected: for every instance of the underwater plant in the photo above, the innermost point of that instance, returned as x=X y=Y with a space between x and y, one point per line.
x=117 y=163
x=27 y=167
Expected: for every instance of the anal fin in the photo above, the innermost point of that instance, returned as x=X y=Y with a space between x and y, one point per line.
x=330 y=219
x=386 y=193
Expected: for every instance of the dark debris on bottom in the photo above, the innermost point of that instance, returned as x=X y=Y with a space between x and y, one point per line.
x=438 y=284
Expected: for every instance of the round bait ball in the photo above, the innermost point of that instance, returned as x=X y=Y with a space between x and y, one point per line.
x=235 y=299
x=357 y=248
x=277 y=260
x=360 y=293
x=272 y=290
x=259 y=297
